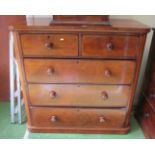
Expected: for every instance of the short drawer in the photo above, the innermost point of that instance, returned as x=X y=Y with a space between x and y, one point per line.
x=79 y=95
x=49 y=45
x=79 y=71
x=113 y=46
x=74 y=117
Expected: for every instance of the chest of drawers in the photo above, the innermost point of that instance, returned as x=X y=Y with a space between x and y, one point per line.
x=79 y=78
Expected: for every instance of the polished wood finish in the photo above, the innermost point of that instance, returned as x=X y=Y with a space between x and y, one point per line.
x=145 y=110
x=150 y=90
x=77 y=117
x=85 y=130
x=79 y=95
x=5 y=21
x=79 y=90
x=79 y=71
x=118 y=26
x=145 y=115
x=49 y=45
x=81 y=18
x=111 y=46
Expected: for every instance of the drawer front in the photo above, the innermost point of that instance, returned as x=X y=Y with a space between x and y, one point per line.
x=49 y=45
x=73 y=117
x=109 y=46
x=79 y=71
x=79 y=95
x=147 y=112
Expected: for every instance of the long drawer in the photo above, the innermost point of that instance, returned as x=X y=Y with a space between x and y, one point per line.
x=79 y=71
x=113 y=46
x=74 y=117
x=148 y=112
x=146 y=117
x=79 y=95
x=56 y=45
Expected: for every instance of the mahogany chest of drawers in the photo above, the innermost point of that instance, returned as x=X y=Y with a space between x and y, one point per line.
x=145 y=111
x=79 y=77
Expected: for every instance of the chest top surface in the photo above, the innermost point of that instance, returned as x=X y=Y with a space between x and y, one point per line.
x=115 y=25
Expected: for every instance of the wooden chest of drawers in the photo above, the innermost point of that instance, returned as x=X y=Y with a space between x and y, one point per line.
x=79 y=78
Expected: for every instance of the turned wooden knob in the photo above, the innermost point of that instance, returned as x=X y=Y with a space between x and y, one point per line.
x=49 y=45
x=107 y=73
x=52 y=94
x=53 y=118
x=110 y=46
x=146 y=115
x=101 y=119
x=104 y=95
x=50 y=71
x=152 y=95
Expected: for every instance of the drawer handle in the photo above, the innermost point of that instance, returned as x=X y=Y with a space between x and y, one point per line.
x=53 y=118
x=104 y=95
x=146 y=115
x=52 y=94
x=107 y=73
x=110 y=46
x=49 y=45
x=101 y=119
x=50 y=71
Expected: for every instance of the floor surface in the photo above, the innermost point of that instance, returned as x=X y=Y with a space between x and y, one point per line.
x=17 y=131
